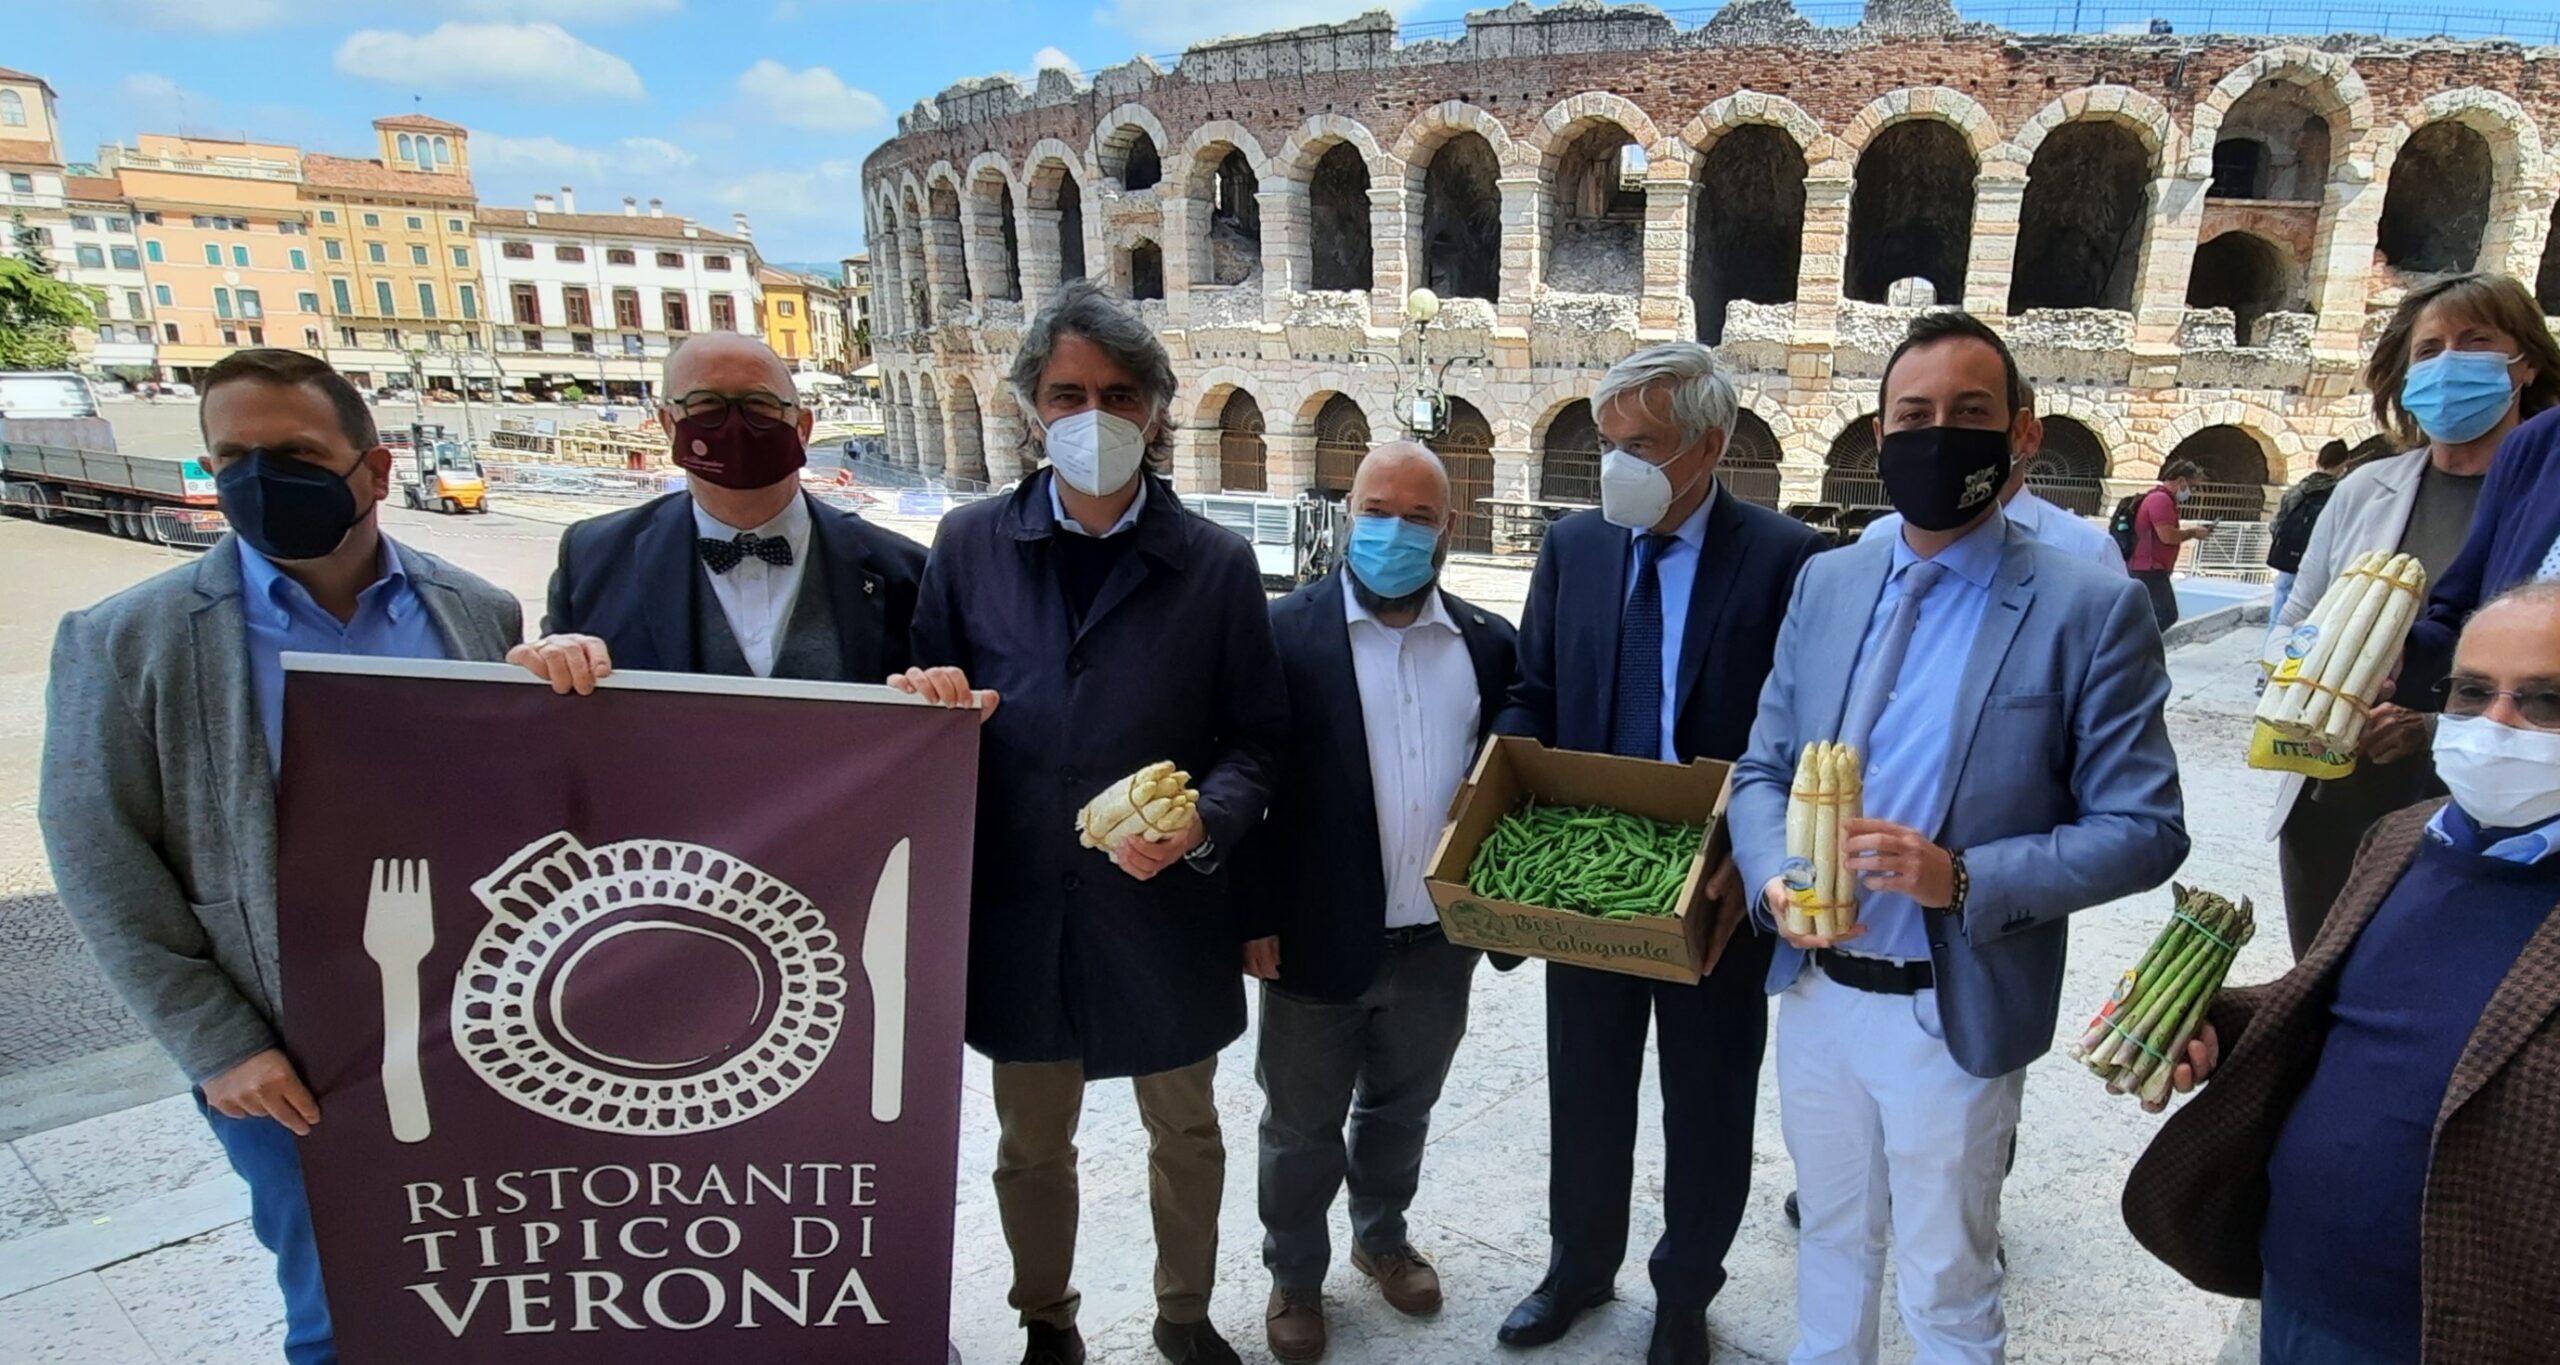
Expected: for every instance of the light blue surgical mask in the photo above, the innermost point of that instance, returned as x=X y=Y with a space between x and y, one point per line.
x=1393 y=557
x=2459 y=395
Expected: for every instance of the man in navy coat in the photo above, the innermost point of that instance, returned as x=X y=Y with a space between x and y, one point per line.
x=1120 y=630
x=1393 y=684
x=742 y=573
x=1649 y=631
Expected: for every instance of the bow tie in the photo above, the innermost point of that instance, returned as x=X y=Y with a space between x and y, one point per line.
x=720 y=556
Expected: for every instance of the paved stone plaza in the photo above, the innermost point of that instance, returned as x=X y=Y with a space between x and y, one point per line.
x=123 y=1237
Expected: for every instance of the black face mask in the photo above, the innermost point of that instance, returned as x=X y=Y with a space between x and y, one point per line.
x=1939 y=478
x=287 y=508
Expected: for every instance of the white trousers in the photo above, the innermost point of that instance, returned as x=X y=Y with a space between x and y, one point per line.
x=1888 y=1133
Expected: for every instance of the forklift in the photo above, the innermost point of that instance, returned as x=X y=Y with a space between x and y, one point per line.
x=440 y=474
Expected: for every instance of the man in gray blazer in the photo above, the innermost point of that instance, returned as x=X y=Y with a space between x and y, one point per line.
x=163 y=733
x=2006 y=706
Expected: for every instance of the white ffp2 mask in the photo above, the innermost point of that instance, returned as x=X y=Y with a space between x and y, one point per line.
x=2503 y=777
x=1096 y=452
x=1634 y=492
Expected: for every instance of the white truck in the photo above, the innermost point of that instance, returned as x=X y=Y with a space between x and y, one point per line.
x=58 y=459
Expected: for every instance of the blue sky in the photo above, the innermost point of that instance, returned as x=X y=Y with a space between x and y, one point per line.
x=765 y=107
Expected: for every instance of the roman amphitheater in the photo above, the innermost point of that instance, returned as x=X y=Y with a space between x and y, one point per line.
x=2191 y=240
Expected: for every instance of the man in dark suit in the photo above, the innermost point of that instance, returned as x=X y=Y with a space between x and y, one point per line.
x=1649 y=630
x=1393 y=684
x=742 y=573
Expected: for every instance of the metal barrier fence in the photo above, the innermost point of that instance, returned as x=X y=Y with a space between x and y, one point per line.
x=2236 y=550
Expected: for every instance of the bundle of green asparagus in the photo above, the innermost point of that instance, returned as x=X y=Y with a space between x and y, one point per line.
x=2137 y=1037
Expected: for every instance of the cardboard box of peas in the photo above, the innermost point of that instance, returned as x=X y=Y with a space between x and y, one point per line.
x=1586 y=858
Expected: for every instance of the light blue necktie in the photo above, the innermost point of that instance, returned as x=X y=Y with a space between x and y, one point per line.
x=1877 y=674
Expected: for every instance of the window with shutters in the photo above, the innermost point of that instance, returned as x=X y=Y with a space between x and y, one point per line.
x=221 y=302
x=671 y=260
x=626 y=308
x=527 y=301
x=620 y=255
x=516 y=251
x=125 y=257
x=575 y=308
x=417 y=253
x=307 y=301
x=342 y=293
x=151 y=252
x=382 y=299
x=333 y=249
x=724 y=314
x=426 y=300
x=568 y=253
x=250 y=307
x=375 y=252
x=715 y=262
x=300 y=261
x=470 y=304
x=673 y=305
x=533 y=341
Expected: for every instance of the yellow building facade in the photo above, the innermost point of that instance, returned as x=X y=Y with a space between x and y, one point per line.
x=396 y=260
x=783 y=317
x=226 y=246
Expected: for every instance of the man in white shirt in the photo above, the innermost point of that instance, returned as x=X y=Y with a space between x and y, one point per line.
x=2042 y=521
x=742 y=573
x=1392 y=685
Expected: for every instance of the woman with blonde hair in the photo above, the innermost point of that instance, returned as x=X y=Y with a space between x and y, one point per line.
x=2463 y=363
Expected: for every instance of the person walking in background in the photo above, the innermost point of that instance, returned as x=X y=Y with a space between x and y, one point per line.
x=2041 y=520
x=2159 y=537
x=742 y=573
x=2290 y=534
x=2462 y=362
x=1647 y=632
x=164 y=729
x=1120 y=630
x=2367 y=1153
x=2006 y=700
x=1393 y=683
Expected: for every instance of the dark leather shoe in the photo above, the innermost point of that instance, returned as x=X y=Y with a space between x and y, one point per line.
x=1406 y=1277
x=1293 y=1324
x=1054 y=1346
x=1194 y=1343
x=1679 y=1338
x=1548 y=1313
x=1795 y=1216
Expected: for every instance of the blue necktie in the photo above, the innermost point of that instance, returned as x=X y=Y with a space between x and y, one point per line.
x=1882 y=668
x=1636 y=730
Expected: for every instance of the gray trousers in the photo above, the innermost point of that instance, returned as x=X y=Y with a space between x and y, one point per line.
x=1377 y=1062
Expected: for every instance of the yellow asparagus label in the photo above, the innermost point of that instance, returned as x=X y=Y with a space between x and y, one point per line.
x=2272 y=750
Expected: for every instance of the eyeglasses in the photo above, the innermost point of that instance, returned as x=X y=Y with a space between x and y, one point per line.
x=761 y=409
x=2472 y=695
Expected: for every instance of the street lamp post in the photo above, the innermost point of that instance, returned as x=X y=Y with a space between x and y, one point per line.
x=453 y=340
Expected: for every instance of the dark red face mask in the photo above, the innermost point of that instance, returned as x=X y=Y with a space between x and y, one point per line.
x=735 y=451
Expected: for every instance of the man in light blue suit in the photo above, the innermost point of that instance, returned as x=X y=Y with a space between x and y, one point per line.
x=2006 y=702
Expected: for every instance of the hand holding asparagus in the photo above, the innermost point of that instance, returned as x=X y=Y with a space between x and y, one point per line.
x=1153 y=805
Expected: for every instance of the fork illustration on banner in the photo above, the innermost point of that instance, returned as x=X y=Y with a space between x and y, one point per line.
x=399 y=929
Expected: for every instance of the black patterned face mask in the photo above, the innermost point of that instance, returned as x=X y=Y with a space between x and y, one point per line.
x=1939 y=478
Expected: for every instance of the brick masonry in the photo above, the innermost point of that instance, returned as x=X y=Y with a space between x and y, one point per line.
x=1531 y=81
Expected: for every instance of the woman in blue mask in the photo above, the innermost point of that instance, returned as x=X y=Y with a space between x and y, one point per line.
x=2463 y=362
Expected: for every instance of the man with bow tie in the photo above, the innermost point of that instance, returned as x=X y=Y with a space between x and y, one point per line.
x=742 y=573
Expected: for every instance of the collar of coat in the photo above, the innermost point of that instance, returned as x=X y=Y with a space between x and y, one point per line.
x=1163 y=532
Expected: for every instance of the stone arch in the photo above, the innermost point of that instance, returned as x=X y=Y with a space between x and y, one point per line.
x=1592 y=227
x=2330 y=85
x=1525 y=424
x=2275 y=436
x=1753 y=456
x=1569 y=453
x=1439 y=123
x=1752 y=109
x=1333 y=163
x=1053 y=186
x=2071 y=469
x=2104 y=420
x=1849 y=477
x=2084 y=220
x=1221 y=171
x=1214 y=384
x=1911 y=207
x=1746 y=228
x=2240 y=463
x=2516 y=169
x=1453 y=155
x=966 y=443
x=1465 y=447
x=2250 y=274
x=1342 y=432
x=1229 y=408
x=942 y=244
x=1141 y=269
x=1194 y=164
x=1951 y=107
x=991 y=213
x=2149 y=119
x=1115 y=134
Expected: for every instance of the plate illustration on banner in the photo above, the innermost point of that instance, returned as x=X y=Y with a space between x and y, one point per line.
x=646 y=987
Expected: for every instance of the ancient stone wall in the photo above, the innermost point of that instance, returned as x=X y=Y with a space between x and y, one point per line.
x=2195 y=233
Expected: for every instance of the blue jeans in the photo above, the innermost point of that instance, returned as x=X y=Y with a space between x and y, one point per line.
x=263 y=1152
x=2287 y=1337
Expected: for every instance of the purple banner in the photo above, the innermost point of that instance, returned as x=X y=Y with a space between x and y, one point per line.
x=634 y=1019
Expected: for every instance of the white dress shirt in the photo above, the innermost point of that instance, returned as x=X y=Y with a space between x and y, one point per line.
x=1419 y=706
x=1073 y=527
x=756 y=597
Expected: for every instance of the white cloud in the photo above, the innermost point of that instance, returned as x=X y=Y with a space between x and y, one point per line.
x=569 y=11
x=1167 y=26
x=542 y=62
x=816 y=99
x=630 y=158
x=1049 y=58
x=830 y=190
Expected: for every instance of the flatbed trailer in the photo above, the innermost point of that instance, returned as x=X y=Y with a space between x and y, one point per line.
x=162 y=499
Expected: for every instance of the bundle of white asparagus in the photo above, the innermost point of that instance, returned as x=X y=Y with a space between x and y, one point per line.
x=1154 y=803
x=1828 y=788
x=2335 y=664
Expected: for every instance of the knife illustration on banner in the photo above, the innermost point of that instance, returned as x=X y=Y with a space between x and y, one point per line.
x=884 y=962
x=399 y=929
